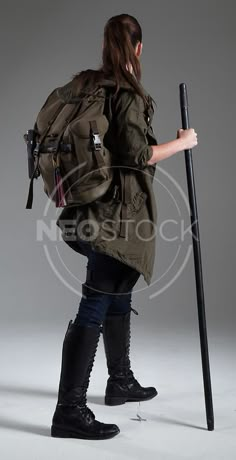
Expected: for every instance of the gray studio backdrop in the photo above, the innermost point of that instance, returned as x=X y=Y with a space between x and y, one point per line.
x=42 y=44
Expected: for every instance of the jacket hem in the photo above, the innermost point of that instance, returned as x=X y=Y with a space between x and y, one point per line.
x=114 y=254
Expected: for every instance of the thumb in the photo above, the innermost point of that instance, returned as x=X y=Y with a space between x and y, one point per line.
x=179 y=131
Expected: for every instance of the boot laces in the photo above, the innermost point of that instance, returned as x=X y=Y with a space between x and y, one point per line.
x=85 y=411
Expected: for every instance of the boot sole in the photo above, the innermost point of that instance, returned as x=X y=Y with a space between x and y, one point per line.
x=114 y=401
x=117 y=400
x=58 y=432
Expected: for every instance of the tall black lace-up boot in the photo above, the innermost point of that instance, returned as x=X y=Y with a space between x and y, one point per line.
x=121 y=384
x=72 y=418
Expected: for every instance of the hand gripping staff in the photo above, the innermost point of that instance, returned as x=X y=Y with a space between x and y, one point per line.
x=197 y=264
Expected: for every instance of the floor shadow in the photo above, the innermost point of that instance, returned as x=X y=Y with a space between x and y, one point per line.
x=94 y=399
x=172 y=421
x=41 y=430
x=24 y=390
x=28 y=391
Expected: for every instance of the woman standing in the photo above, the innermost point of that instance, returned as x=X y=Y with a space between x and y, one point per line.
x=123 y=248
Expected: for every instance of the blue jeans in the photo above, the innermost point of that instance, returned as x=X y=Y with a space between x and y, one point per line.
x=108 y=288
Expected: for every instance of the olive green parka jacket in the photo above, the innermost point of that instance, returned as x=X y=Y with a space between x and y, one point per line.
x=125 y=218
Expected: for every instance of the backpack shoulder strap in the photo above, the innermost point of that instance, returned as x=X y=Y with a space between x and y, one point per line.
x=108 y=103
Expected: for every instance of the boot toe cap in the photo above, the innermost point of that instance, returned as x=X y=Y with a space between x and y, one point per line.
x=148 y=392
x=109 y=429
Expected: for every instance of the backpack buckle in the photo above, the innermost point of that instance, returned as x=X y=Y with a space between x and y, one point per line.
x=97 y=142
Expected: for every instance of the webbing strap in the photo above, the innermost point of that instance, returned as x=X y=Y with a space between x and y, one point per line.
x=94 y=126
x=51 y=148
x=31 y=185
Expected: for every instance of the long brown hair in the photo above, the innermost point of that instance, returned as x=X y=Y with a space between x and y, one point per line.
x=121 y=35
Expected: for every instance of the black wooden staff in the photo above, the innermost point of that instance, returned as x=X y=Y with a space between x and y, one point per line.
x=197 y=264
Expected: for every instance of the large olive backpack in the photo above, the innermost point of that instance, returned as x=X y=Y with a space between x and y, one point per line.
x=66 y=148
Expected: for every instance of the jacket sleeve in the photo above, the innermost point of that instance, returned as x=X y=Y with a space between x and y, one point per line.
x=131 y=128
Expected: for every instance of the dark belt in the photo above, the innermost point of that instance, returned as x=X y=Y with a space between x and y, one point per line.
x=49 y=148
